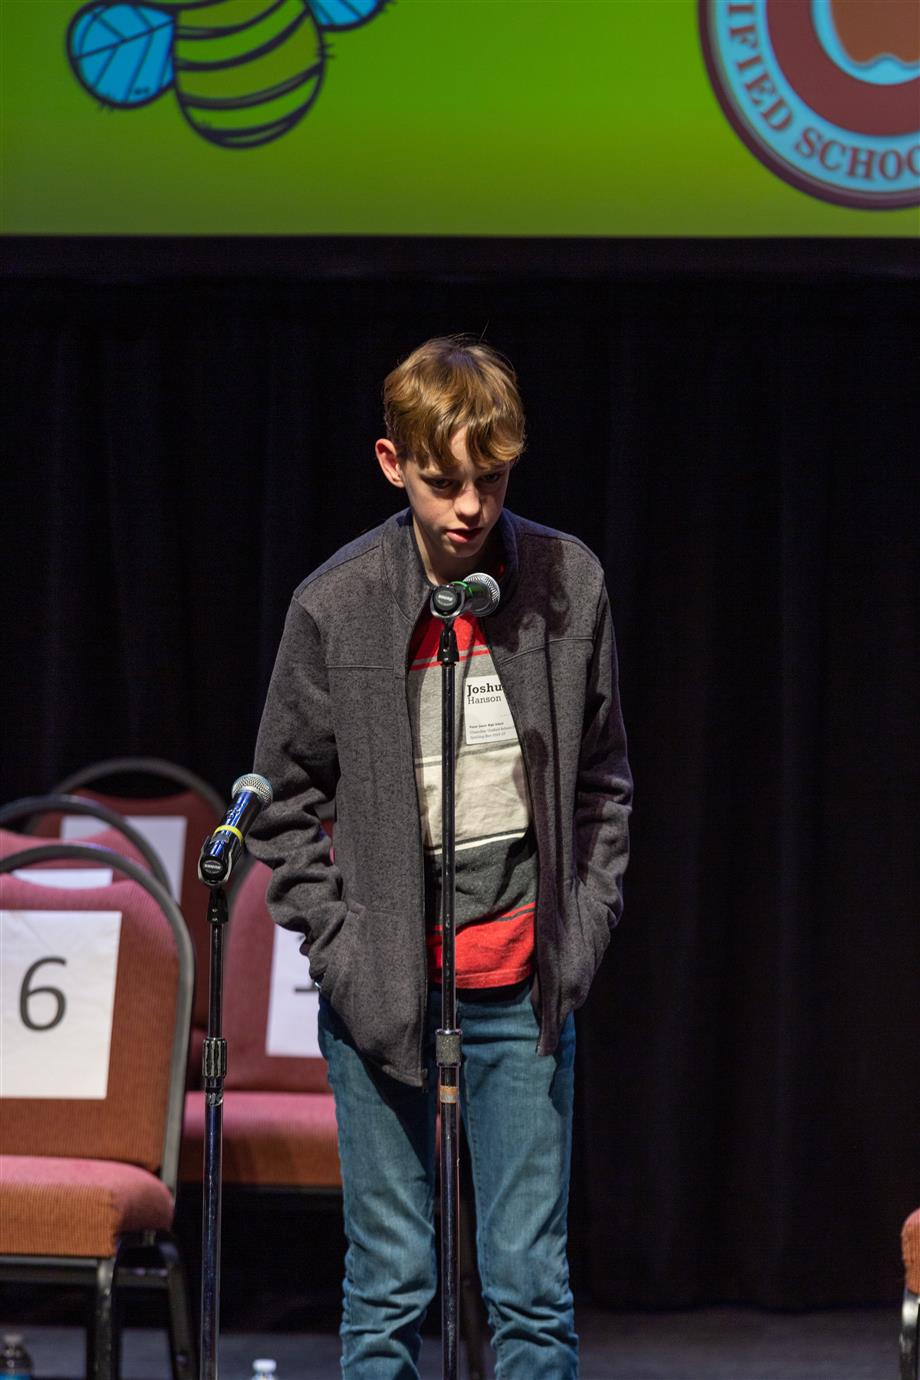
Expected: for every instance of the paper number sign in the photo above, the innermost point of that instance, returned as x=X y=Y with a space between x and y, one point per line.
x=293 y=1001
x=164 y=833
x=65 y=877
x=57 y=997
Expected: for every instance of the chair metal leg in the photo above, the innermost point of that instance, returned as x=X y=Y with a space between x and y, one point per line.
x=103 y=1352
x=181 y=1337
x=909 y=1345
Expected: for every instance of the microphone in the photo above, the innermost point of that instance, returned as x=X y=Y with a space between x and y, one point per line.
x=221 y=851
x=477 y=594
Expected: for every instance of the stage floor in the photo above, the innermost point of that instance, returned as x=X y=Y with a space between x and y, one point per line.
x=706 y=1344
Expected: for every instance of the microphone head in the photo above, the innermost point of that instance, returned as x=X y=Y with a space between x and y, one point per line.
x=255 y=783
x=486 y=594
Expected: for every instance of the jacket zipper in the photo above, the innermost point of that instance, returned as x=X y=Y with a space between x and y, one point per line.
x=420 y=862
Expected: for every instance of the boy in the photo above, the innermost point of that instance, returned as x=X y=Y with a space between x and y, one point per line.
x=542 y=798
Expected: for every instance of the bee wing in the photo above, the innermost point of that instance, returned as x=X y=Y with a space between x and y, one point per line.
x=122 y=53
x=345 y=14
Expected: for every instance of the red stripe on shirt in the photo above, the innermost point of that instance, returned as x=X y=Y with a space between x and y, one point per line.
x=490 y=953
x=427 y=636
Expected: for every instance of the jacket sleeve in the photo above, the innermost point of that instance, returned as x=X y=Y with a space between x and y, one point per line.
x=604 y=792
x=296 y=751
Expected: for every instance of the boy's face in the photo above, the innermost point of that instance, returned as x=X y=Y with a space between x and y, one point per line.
x=453 y=511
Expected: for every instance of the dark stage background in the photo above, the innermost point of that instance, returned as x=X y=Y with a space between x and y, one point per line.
x=734 y=431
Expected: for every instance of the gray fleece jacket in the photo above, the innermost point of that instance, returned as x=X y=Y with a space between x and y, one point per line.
x=336 y=726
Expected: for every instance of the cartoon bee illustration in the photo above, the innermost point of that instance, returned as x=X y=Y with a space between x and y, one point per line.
x=244 y=71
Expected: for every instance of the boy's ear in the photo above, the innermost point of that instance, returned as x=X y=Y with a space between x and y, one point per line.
x=389 y=463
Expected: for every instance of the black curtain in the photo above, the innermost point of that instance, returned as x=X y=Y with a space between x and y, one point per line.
x=741 y=451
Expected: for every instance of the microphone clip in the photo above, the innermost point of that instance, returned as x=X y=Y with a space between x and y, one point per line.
x=447 y=601
x=478 y=594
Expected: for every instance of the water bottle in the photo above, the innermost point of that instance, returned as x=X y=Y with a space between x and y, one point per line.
x=15 y=1361
x=264 y=1369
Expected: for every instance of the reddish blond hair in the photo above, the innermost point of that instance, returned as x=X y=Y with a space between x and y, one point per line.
x=448 y=383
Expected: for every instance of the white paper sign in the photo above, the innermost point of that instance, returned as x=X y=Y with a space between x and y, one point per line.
x=164 y=833
x=293 y=1001
x=57 y=996
x=486 y=716
x=66 y=877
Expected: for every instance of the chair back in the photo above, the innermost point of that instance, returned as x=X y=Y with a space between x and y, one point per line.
x=189 y=799
x=269 y=1002
x=134 y=1114
x=111 y=829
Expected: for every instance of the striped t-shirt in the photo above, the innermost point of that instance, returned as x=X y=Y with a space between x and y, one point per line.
x=496 y=860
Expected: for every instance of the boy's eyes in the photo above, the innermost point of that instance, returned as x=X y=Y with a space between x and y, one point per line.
x=441 y=484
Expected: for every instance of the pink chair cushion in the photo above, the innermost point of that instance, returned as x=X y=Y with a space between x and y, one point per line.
x=910 y=1248
x=269 y=1138
x=76 y=1207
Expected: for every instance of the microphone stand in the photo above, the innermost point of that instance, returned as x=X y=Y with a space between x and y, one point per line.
x=480 y=593
x=448 y=1038
x=251 y=793
x=213 y=1072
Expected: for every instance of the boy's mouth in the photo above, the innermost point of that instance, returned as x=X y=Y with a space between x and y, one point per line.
x=463 y=534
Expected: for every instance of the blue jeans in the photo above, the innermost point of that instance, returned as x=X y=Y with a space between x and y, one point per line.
x=517 y=1110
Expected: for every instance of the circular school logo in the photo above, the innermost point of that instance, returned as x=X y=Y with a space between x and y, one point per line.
x=826 y=93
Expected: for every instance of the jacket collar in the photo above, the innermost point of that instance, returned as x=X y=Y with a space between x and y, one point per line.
x=405 y=573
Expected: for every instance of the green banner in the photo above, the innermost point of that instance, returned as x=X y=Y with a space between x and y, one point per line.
x=457 y=117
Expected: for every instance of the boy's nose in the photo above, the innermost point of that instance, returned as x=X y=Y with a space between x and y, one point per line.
x=467 y=503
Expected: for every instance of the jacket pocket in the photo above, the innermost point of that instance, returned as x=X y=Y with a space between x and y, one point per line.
x=372 y=982
x=587 y=934
x=334 y=952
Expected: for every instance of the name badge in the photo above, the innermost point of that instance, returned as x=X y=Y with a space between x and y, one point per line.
x=486 y=716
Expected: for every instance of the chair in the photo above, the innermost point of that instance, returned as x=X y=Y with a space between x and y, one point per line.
x=118 y=835
x=909 y=1345
x=187 y=798
x=88 y=1173
x=279 y=1126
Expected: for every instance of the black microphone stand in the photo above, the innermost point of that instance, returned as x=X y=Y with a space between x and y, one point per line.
x=448 y=1038
x=480 y=593
x=213 y=1072
x=218 y=858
